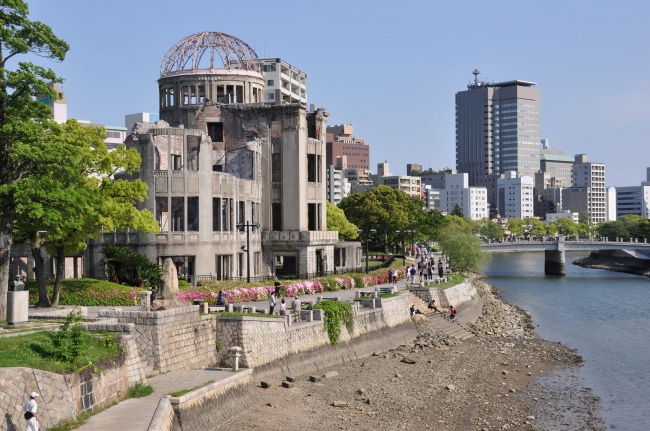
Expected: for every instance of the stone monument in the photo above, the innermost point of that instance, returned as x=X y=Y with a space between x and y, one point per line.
x=169 y=288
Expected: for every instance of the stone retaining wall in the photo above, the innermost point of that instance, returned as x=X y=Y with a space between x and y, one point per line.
x=455 y=295
x=175 y=339
x=209 y=406
x=271 y=348
x=63 y=396
x=164 y=419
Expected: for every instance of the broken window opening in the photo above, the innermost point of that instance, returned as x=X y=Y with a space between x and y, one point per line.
x=223 y=266
x=216 y=214
x=231 y=219
x=276 y=215
x=255 y=99
x=177 y=162
x=192 y=154
x=215 y=131
x=230 y=93
x=156 y=157
x=201 y=93
x=221 y=98
x=240 y=259
x=186 y=96
x=311 y=217
x=225 y=220
x=193 y=99
x=240 y=94
x=193 y=214
x=178 y=214
x=162 y=213
x=319 y=178
x=217 y=168
x=241 y=213
x=311 y=168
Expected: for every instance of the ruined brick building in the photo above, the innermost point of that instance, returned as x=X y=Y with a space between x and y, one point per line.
x=226 y=153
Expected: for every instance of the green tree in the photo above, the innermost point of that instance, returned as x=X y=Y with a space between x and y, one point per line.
x=458 y=211
x=566 y=226
x=489 y=229
x=337 y=221
x=78 y=195
x=533 y=226
x=23 y=119
x=516 y=226
x=462 y=247
x=381 y=208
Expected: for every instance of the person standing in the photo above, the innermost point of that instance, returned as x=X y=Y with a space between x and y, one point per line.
x=271 y=303
x=413 y=272
x=283 y=307
x=277 y=286
x=394 y=276
x=452 y=316
x=297 y=308
x=30 y=413
x=441 y=271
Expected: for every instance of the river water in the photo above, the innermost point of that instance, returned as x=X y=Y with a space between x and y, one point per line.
x=604 y=315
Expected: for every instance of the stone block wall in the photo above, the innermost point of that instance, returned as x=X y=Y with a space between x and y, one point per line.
x=209 y=406
x=63 y=396
x=164 y=418
x=455 y=295
x=175 y=339
x=265 y=340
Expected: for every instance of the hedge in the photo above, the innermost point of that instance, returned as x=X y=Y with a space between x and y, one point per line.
x=87 y=292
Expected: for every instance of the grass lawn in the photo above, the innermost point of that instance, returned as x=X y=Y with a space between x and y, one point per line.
x=36 y=351
x=455 y=279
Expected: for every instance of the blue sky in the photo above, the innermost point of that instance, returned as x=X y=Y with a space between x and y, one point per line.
x=391 y=68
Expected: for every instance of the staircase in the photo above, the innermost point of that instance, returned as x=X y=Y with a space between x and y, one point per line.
x=438 y=321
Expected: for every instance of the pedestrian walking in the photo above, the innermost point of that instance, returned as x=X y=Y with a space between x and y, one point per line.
x=394 y=276
x=412 y=273
x=277 y=286
x=271 y=303
x=297 y=308
x=390 y=276
x=441 y=271
x=452 y=316
x=31 y=417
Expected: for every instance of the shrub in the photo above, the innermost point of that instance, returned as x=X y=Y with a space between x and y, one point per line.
x=139 y=390
x=68 y=341
x=182 y=284
x=87 y=292
x=337 y=313
x=125 y=266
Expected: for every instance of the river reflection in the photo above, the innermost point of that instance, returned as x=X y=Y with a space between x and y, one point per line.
x=605 y=315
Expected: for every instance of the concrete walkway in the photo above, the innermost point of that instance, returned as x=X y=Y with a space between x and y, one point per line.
x=135 y=414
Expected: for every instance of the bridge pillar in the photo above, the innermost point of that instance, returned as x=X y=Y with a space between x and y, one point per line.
x=554 y=262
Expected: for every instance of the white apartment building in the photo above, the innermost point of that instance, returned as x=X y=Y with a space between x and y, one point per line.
x=591 y=176
x=337 y=185
x=409 y=185
x=284 y=83
x=472 y=200
x=515 y=195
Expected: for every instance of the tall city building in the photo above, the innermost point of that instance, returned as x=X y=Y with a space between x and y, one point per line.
x=413 y=167
x=340 y=142
x=591 y=176
x=337 y=185
x=497 y=128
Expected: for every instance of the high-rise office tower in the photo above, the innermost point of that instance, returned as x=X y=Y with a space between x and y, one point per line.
x=497 y=128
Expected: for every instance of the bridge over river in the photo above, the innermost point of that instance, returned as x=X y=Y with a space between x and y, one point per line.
x=554 y=260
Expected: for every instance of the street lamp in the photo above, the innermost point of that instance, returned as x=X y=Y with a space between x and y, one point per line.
x=410 y=231
x=367 y=232
x=247 y=248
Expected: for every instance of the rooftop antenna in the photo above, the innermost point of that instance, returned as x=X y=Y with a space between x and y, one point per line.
x=476 y=74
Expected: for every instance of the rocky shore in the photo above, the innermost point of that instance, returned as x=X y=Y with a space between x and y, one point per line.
x=504 y=378
x=635 y=262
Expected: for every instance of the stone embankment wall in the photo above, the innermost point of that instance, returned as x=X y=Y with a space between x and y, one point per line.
x=164 y=419
x=175 y=339
x=457 y=295
x=275 y=349
x=209 y=406
x=63 y=396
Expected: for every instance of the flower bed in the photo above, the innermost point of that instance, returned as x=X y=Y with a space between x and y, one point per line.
x=87 y=292
x=208 y=292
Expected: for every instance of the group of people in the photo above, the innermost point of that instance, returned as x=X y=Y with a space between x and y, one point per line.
x=426 y=269
x=432 y=306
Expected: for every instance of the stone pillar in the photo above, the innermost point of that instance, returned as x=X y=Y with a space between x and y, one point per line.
x=235 y=354
x=554 y=262
x=145 y=300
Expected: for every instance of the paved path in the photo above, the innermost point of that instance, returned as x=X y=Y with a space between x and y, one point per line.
x=135 y=414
